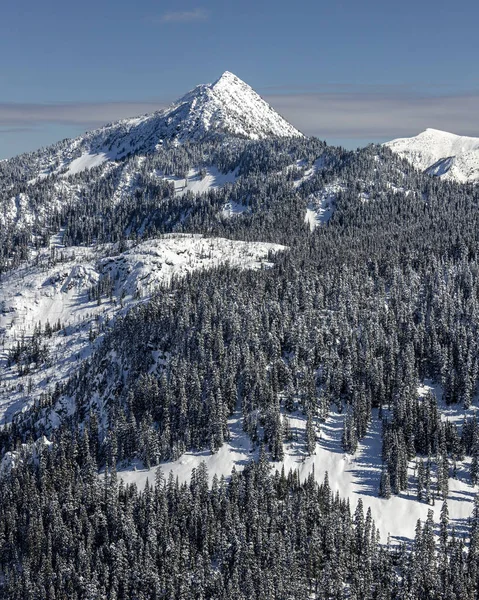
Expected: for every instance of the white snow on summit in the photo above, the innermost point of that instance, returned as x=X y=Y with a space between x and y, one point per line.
x=226 y=108
x=441 y=154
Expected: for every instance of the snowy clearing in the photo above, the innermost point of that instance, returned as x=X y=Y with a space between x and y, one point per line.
x=198 y=184
x=308 y=173
x=353 y=476
x=233 y=209
x=321 y=205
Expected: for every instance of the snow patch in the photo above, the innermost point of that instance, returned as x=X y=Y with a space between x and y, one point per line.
x=198 y=182
x=87 y=161
x=233 y=209
x=321 y=205
x=309 y=173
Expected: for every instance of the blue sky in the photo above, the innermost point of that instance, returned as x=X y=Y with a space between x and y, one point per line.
x=349 y=72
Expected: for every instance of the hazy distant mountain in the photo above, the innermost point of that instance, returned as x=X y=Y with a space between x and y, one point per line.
x=441 y=154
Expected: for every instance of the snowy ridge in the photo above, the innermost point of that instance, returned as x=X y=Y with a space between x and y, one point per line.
x=47 y=293
x=441 y=154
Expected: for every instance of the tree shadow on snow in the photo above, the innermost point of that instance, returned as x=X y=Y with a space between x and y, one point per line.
x=332 y=433
x=367 y=460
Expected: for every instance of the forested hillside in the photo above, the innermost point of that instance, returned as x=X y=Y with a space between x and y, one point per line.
x=369 y=304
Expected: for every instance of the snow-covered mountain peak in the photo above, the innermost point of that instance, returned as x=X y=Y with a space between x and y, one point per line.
x=227 y=78
x=229 y=106
x=447 y=139
x=434 y=131
x=229 y=83
x=441 y=153
x=226 y=108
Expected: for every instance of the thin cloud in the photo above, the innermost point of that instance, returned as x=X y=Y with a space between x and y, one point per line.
x=27 y=129
x=352 y=114
x=94 y=114
x=362 y=88
x=377 y=116
x=184 y=16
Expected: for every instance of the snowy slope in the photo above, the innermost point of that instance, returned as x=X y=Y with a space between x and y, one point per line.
x=132 y=174
x=226 y=108
x=198 y=184
x=59 y=291
x=441 y=154
x=353 y=476
x=321 y=205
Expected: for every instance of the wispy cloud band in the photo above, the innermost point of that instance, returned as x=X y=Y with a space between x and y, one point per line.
x=26 y=116
x=333 y=115
x=184 y=16
x=378 y=115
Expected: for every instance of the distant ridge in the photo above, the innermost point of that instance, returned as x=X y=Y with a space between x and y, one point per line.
x=442 y=154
